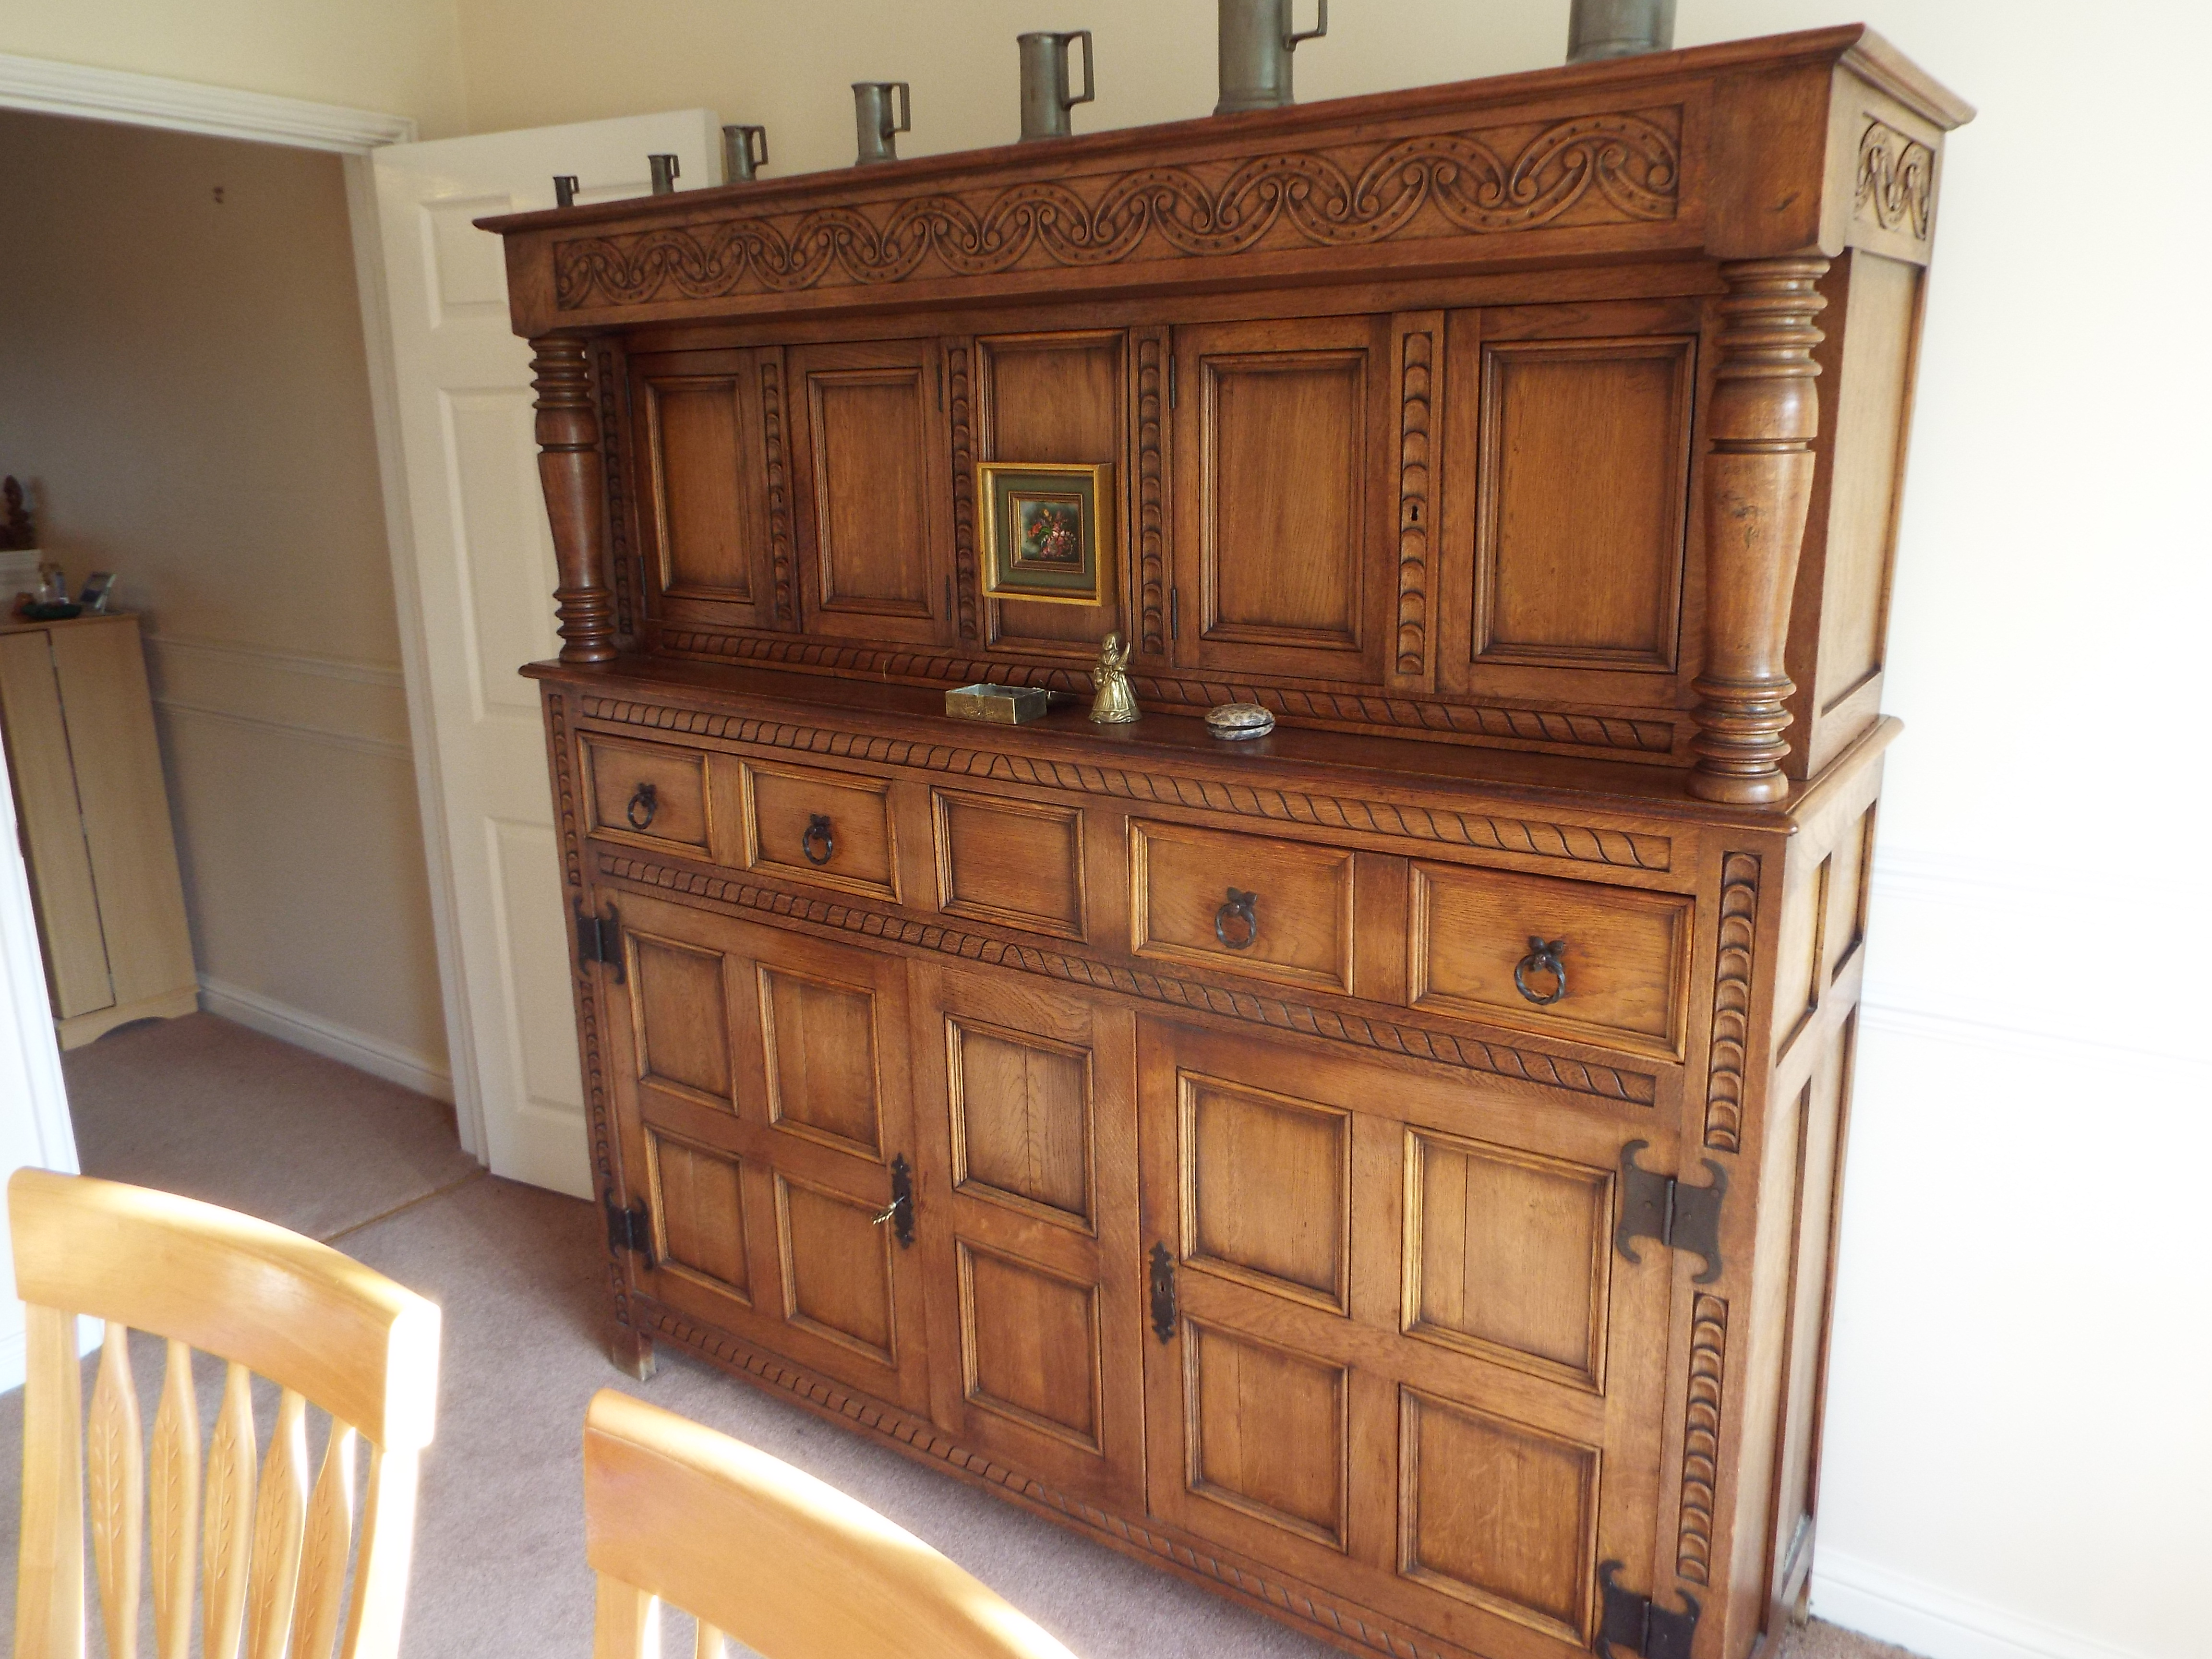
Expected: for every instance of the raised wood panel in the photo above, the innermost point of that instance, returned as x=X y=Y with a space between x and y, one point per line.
x=678 y=998
x=860 y=852
x=1583 y=494
x=709 y=495
x=1507 y=1254
x=1267 y=1190
x=1626 y=953
x=1180 y=880
x=1498 y=1514
x=697 y=1201
x=1030 y=1345
x=647 y=794
x=1021 y=1118
x=878 y=461
x=1267 y=1431
x=824 y=1079
x=1843 y=927
x=1058 y=397
x=1013 y=861
x=837 y=1279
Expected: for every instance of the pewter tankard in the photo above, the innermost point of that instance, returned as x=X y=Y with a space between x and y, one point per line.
x=1046 y=99
x=1618 y=28
x=873 y=104
x=1257 y=40
x=744 y=152
x=664 y=169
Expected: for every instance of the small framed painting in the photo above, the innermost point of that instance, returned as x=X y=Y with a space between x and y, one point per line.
x=1047 y=530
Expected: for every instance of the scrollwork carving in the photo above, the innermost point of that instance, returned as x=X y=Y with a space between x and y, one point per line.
x=1617 y=167
x=1896 y=179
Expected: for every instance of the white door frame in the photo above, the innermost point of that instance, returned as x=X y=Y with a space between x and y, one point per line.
x=152 y=100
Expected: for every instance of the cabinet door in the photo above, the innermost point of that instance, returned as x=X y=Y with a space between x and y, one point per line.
x=762 y=1083
x=1276 y=460
x=1405 y=1359
x=703 y=487
x=878 y=486
x=1027 y=1108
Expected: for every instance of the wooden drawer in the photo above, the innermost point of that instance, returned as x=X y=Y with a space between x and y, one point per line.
x=1625 y=953
x=1017 y=862
x=1184 y=888
x=647 y=794
x=833 y=828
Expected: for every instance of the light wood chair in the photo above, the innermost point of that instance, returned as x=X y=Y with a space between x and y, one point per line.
x=322 y=1326
x=756 y=1551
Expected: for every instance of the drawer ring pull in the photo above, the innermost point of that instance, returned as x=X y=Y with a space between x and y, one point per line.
x=1237 y=923
x=643 y=803
x=818 y=830
x=1542 y=958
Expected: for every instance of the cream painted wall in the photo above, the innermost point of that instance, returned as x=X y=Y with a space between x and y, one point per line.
x=183 y=388
x=2018 y=1441
x=398 y=57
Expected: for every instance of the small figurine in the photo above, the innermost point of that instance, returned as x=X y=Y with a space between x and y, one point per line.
x=1115 y=703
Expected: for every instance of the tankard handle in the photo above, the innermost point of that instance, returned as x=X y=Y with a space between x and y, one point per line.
x=1290 y=18
x=1090 y=87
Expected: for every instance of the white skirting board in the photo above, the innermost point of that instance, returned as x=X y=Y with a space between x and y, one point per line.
x=1887 y=1605
x=358 y=1049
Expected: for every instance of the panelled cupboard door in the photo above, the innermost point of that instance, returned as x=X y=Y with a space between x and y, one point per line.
x=868 y=420
x=760 y=1081
x=698 y=423
x=1278 y=435
x=1455 y=1421
x=1026 y=1104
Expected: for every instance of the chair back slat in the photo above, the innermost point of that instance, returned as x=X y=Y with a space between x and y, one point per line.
x=380 y=1573
x=791 y=1567
x=279 y=1526
x=226 y=1534
x=626 y=1621
x=114 y=1471
x=323 y=1558
x=50 y=1564
x=709 y=1642
x=172 y=1491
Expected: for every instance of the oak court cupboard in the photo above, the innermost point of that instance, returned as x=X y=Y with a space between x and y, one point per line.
x=1434 y=1253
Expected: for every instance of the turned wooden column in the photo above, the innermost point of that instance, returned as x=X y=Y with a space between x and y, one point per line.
x=1759 y=478
x=569 y=468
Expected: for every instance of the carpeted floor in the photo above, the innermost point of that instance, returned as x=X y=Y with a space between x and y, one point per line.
x=203 y=1107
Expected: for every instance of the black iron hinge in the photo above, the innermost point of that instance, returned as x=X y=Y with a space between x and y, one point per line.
x=1634 y=1622
x=598 y=938
x=1655 y=1206
x=1164 y=1294
x=630 y=1229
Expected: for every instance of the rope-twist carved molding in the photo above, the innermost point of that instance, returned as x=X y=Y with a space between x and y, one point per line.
x=1577 y=843
x=779 y=485
x=1615 y=169
x=1416 y=509
x=964 y=490
x=1152 y=508
x=1701 y=1440
x=1896 y=179
x=1609 y=733
x=1442 y=1049
x=1731 y=1001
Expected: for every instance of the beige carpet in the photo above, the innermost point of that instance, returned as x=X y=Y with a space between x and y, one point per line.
x=499 y=1564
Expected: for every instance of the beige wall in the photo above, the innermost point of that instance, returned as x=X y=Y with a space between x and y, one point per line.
x=397 y=57
x=182 y=387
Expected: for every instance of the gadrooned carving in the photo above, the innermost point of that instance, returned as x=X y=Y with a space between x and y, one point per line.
x=1414 y=508
x=1896 y=179
x=1615 y=169
x=1605 y=733
x=1577 y=843
x=1151 y=508
x=1467 y=1053
x=964 y=489
x=930 y=1440
x=1701 y=1440
x=628 y=578
x=1732 y=967
x=779 y=484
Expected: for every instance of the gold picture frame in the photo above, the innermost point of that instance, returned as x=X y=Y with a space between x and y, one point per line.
x=1048 y=529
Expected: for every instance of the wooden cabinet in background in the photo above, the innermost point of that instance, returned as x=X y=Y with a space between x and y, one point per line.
x=94 y=819
x=1386 y=1171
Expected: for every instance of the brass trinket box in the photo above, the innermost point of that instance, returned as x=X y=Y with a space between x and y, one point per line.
x=1002 y=705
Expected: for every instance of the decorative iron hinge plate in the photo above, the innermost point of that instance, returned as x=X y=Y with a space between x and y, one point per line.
x=1655 y=1206
x=598 y=938
x=1633 y=1621
x=630 y=1229
x=1163 y=1293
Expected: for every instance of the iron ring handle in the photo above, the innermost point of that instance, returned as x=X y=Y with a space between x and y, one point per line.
x=1241 y=913
x=818 y=829
x=643 y=803
x=1542 y=958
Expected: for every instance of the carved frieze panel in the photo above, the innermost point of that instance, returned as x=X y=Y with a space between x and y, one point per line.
x=1609 y=168
x=1896 y=179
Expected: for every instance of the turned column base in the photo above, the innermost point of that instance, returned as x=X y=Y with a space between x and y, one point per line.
x=1739 y=740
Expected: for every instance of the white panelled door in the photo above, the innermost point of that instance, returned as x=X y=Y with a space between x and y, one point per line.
x=484 y=576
